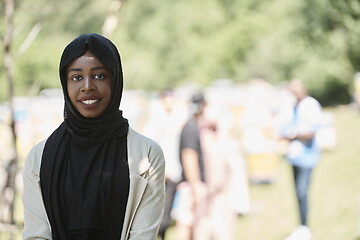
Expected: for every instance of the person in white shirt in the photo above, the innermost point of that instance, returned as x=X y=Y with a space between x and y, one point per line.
x=304 y=120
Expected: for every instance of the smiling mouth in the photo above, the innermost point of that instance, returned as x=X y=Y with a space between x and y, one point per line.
x=89 y=102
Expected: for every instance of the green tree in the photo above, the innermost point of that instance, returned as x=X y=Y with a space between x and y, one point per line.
x=168 y=43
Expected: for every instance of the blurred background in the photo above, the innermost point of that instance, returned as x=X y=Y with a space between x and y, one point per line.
x=240 y=53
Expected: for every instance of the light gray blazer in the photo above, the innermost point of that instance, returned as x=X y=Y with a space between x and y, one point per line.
x=145 y=203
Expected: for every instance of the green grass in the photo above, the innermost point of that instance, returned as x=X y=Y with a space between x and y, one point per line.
x=334 y=194
x=336 y=190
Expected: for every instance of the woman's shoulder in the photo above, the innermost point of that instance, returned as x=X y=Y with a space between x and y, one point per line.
x=33 y=160
x=143 y=152
x=140 y=140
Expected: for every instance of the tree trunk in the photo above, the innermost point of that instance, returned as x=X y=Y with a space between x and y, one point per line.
x=111 y=20
x=9 y=191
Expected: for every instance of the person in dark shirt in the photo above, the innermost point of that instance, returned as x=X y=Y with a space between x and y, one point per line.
x=192 y=190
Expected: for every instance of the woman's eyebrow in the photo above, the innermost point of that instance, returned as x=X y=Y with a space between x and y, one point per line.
x=80 y=70
x=75 y=70
x=100 y=67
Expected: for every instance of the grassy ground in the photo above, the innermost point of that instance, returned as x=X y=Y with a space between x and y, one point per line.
x=334 y=199
x=334 y=193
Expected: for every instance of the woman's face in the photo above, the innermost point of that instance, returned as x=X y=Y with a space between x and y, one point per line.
x=89 y=85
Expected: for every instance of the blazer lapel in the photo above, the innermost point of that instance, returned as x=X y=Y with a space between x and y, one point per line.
x=137 y=188
x=139 y=167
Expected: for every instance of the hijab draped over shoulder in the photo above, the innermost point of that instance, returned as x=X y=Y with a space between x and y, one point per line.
x=84 y=175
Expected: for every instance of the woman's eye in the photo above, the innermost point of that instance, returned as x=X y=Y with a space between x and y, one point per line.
x=99 y=76
x=76 y=78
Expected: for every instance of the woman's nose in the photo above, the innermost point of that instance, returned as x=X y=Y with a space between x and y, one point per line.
x=88 y=84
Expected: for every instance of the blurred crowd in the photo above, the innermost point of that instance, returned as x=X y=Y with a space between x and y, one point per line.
x=238 y=127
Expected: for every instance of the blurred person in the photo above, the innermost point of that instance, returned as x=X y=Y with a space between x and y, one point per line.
x=303 y=153
x=231 y=132
x=94 y=177
x=164 y=127
x=219 y=154
x=191 y=209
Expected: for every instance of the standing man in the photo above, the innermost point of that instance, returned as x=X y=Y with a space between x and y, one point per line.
x=192 y=191
x=303 y=153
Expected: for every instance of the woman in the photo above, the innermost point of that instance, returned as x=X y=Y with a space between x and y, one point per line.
x=94 y=177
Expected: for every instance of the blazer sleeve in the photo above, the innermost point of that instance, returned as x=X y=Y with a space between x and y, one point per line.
x=36 y=224
x=149 y=214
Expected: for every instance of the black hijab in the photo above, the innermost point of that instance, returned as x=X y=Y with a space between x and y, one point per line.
x=84 y=174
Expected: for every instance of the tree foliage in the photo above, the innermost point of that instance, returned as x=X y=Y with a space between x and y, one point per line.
x=168 y=43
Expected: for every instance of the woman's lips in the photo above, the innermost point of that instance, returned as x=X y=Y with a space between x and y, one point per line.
x=89 y=101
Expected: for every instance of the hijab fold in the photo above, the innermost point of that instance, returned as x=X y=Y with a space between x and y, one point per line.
x=84 y=174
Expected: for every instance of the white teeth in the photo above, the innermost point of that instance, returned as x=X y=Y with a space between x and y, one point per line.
x=88 y=102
